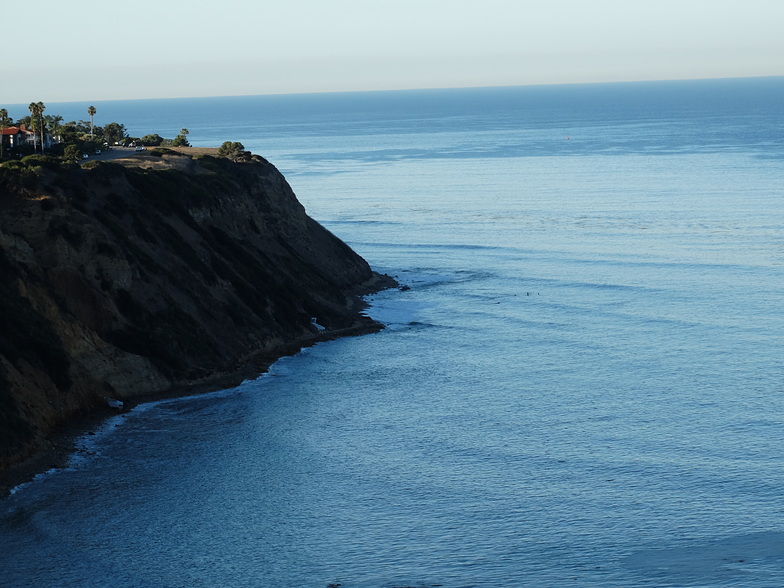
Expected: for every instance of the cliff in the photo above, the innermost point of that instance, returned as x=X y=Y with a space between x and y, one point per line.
x=124 y=281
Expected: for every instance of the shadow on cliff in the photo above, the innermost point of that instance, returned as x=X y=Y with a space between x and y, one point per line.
x=123 y=281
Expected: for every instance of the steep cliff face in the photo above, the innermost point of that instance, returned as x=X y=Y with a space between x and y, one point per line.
x=124 y=281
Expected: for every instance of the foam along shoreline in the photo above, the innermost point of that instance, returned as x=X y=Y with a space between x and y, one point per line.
x=58 y=450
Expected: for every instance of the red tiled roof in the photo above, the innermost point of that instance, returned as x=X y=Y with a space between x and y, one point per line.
x=15 y=131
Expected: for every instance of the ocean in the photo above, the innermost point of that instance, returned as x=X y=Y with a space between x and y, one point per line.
x=583 y=385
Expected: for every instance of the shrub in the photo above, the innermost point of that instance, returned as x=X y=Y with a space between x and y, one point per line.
x=151 y=140
x=160 y=151
x=41 y=161
x=72 y=153
x=231 y=150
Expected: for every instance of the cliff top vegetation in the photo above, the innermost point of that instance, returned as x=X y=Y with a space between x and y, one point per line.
x=76 y=141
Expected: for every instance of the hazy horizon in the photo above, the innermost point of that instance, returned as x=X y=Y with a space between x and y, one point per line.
x=24 y=104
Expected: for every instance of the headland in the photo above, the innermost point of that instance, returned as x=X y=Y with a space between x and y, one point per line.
x=161 y=272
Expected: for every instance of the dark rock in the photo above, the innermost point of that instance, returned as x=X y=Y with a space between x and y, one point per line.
x=143 y=281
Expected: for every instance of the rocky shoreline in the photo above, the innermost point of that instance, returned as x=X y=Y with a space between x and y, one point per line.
x=56 y=451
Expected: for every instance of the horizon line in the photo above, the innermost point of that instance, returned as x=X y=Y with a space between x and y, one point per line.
x=415 y=89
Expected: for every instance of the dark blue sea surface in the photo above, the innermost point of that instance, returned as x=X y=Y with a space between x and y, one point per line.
x=583 y=386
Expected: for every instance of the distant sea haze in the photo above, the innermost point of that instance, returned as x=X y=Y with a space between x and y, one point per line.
x=582 y=386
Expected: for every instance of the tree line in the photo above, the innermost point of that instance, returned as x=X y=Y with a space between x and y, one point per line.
x=71 y=140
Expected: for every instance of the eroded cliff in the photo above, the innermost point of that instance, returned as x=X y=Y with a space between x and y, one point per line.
x=124 y=281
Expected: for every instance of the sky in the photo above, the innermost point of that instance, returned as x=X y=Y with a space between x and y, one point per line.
x=109 y=50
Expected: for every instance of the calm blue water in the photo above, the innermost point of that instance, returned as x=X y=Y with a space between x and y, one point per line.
x=583 y=387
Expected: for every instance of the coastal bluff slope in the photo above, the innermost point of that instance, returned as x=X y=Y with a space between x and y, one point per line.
x=125 y=281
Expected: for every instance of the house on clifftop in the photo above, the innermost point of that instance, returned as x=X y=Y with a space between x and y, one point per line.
x=21 y=135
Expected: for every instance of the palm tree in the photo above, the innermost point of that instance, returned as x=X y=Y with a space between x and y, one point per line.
x=41 y=125
x=54 y=124
x=91 y=112
x=3 y=124
x=34 y=122
x=37 y=122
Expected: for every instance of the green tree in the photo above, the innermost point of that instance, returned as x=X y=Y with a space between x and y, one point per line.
x=4 y=122
x=41 y=123
x=91 y=144
x=232 y=150
x=181 y=140
x=33 y=108
x=113 y=133
x=72 y=153
x=68 y=133
x=37 y=121
x=79 y=127
x=91 y=111
x=151 y=140
x=54 y=122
